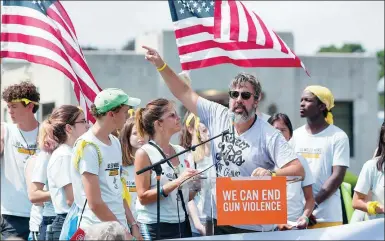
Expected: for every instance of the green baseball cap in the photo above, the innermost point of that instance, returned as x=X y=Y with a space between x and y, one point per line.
x=111 y=98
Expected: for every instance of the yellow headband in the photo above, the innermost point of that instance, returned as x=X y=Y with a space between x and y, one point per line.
x=326 y=97
x=196 y=124
x=26 y=101
x=131 y=112
x=189 y=119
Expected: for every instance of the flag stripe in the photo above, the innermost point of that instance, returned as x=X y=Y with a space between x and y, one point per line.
x=210 y=44
x=252 y=31
x=235 y=54
x=217 y=18
x=227 y=32
x=47 y=39
x=65 y=16
x=268 y=40
x=208 y=62
x=55 y=16
x=43 y=33
x=283 y=49
x=243 y=24
x=234 y=18
x=39 y=60
x=190 y=31
x=36 y=45
x=68 y=43
x=260 y=37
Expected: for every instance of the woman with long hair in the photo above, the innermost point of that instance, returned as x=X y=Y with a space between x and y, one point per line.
x=193 y=133
x=37 y=185
x=131 y=142
x=371 y=179
x=160 y=121
x=299 y=212
x=64 y=126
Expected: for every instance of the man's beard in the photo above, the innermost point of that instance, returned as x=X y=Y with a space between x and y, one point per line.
x=245 y=116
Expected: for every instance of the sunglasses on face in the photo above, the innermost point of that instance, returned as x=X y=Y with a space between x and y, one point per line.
x=172 y=115
x=244 y=95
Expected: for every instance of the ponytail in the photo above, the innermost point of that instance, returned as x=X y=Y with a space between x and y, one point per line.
x=139 y=122
x=46 y=140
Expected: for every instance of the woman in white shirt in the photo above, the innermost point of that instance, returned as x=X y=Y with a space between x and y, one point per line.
x=160 y=121
x=300 y=200
x=36 y=215
x=65 y=125
x=130 y=141
x=371 y=178
x=193 y=132
x=39 y=192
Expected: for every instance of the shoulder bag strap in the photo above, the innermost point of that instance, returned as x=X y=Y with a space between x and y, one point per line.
x=179 y=191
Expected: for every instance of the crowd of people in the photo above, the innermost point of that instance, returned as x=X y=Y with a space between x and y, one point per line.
x=63 y=176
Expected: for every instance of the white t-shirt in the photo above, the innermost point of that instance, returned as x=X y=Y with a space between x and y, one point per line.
x=203 y=198
x=169 y=205
x=263 y=116
x=14 y=195
x=322 y=151
x=108 y=173
x=40 y=176
x=58 y=173
x=260 y=146
x=36 y=211
x=371 y=179
x=128 y=172
x=295 y=195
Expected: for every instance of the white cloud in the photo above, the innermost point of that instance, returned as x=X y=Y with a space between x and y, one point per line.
x=109 y=24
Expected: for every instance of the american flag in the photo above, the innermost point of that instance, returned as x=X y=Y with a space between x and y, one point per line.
x=211 y=32
x=41 y=32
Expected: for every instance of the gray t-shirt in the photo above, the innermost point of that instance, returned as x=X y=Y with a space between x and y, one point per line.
x=260 y=146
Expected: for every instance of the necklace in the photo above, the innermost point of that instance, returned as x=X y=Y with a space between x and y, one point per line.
x=26 y=143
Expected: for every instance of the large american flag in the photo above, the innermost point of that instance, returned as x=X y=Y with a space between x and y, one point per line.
x=41 y=32
x=211 y=32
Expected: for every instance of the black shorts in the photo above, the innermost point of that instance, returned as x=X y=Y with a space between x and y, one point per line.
x=14 y=226
x=167 y=231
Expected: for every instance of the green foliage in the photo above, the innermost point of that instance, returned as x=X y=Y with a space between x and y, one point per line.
x=346 y=48
x=88 y=47
x=130 y=45
x=380 y=59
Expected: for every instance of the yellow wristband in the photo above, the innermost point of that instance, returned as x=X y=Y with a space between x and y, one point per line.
x=162 y=68
x=371 y=206
x=273 y=173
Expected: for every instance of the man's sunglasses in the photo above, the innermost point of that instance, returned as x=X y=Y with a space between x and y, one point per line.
x=245 y=95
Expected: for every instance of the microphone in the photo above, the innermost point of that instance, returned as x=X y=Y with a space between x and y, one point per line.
x=231 y=126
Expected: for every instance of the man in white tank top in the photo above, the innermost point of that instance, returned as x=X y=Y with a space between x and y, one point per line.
x=18 y=143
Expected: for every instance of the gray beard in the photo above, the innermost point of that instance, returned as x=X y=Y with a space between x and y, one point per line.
x=243 y=118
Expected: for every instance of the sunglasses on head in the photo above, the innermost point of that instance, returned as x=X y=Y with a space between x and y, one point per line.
x=245 y=95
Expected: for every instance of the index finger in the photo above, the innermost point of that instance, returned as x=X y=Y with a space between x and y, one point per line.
x=147 y=48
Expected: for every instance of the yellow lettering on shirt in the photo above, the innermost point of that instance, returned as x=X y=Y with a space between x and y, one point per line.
x=23 y=150
x=132 y=189
x=311 y=155
x=114 y=172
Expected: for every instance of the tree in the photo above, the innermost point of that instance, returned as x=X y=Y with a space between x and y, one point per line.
x=354 y=48
x=89 y=47
x=130 y=45
x=380 y=59
x=346 y=48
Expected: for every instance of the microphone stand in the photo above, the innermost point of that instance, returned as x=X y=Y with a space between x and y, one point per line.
x=158 y=170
